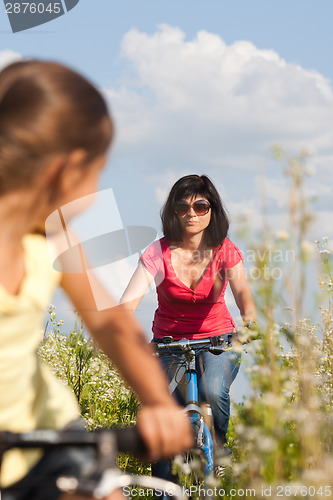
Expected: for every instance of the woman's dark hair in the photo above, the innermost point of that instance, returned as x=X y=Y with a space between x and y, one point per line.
x=191 y=186
x=45 y=109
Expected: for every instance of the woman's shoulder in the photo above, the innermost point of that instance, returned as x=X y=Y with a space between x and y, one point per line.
x=152 y=257
x=229 y=252
x=227 y=243
x=157 y=247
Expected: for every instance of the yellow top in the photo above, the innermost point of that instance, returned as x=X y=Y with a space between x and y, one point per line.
x=31 y=397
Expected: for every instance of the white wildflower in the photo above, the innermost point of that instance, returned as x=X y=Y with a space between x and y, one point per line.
x=267 y=444
x=307 y=247
x=282 y=235
x=186 y=468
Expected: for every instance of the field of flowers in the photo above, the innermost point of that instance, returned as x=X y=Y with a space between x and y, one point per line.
x=281 y=435
x=104 y=398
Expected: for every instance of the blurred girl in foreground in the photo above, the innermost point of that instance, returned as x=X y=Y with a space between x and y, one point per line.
x=55 y=131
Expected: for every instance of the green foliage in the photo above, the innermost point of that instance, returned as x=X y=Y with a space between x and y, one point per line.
x=104 y=398
x=281 y=434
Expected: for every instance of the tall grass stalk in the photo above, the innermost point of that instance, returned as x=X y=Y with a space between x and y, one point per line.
x=281 y=433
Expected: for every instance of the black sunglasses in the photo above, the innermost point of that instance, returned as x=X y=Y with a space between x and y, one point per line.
x=201 y=207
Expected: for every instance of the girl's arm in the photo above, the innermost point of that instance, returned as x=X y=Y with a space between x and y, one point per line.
x=163 y=425
x=242 y=292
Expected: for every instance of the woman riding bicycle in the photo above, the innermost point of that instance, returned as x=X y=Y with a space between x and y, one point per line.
x=192 y=265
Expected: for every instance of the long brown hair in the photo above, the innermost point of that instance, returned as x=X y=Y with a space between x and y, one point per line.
x=187 y=187
x=47 y=108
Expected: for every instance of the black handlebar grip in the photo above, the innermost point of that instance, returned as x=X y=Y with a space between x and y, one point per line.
x=216 y=350
x=6 y=438
x=130 y=441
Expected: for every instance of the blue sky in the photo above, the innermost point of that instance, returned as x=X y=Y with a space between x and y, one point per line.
x=202 y=87
x=89 y=37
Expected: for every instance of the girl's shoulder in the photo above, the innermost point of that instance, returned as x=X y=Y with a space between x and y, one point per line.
x=35 y=247
x=39 y=256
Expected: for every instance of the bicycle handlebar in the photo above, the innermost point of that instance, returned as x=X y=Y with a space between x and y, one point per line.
x=121 y=439
x=217 y=344
x=107 y=478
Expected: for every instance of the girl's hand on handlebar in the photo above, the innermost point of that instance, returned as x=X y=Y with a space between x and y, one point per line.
x=165 y=429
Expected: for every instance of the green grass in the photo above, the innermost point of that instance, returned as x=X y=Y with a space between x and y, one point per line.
x=104 y=399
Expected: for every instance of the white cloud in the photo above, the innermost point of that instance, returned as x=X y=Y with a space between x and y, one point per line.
x=8 y=57
x=273 y=189
x=203 y=102
x=169 y=178
x=202 y=106
x=323 y=225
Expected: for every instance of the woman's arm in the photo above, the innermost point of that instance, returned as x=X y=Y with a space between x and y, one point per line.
x=242 y=292
x=163 y=426
x=136 y=288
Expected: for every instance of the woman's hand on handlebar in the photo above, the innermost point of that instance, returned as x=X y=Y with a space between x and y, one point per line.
x=246 y=333
x=165 y=429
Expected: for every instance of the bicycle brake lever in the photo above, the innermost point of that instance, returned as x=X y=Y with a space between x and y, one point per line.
x=167 y=339
x=221 y=340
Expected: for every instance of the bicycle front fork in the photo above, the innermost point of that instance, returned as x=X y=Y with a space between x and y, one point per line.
x=203 y=436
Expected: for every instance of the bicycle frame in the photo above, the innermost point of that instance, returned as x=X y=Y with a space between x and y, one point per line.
x=203 y=437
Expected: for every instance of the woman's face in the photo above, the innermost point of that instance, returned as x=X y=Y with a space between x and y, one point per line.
x=197 y=217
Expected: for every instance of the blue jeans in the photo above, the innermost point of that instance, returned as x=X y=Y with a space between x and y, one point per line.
x=215 y=376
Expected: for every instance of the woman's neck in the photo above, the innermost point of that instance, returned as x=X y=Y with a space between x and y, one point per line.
x=194 y=242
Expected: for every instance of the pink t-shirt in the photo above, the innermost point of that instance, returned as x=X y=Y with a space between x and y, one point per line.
x=183 y=312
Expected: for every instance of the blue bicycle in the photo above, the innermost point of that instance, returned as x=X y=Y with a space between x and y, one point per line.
x=183 y=354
